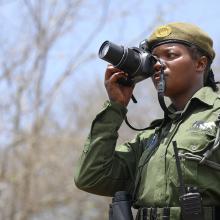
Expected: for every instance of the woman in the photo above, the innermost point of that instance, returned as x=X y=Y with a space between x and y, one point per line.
x=146 y=166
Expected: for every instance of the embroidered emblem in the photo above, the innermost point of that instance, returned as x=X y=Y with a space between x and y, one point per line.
x=163 y=31
x=204 y=126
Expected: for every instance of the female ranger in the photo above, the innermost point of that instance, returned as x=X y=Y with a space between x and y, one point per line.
x=146 y=166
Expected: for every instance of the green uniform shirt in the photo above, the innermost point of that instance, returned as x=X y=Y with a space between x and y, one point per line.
x=105 y=168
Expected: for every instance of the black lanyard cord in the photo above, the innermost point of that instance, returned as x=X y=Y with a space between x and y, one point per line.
x=160 y=91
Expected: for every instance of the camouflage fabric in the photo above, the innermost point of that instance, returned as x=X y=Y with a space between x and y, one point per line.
x=105 y=168
x=182 y=32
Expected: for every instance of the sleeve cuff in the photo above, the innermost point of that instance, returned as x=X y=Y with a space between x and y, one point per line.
x=110 y=118
x=116 y=107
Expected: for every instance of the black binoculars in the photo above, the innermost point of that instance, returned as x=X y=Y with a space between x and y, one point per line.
x=136 y=62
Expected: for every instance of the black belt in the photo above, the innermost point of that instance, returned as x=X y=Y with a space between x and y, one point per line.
x=152 y=213
x=210 y=213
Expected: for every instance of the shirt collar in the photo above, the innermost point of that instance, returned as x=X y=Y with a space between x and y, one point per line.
x=204 y=96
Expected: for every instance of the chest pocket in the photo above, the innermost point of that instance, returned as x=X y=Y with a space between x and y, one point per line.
x=149 y=147
x=193 y=141
x=197 y=138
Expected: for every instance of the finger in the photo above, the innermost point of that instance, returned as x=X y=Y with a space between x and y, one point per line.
x=111 y=67
x=116 y=76
x=110 y=71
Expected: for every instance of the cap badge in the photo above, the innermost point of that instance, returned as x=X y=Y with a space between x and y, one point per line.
x=163 y=31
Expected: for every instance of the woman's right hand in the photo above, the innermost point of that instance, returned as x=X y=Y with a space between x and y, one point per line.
x=117 y=92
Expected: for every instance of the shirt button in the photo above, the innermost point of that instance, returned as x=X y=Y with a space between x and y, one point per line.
x=193 y=147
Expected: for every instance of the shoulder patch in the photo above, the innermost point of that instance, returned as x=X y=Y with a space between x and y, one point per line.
x=207 y=127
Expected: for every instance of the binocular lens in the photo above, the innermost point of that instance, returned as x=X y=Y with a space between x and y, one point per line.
x=104 y=50
x=111 y=53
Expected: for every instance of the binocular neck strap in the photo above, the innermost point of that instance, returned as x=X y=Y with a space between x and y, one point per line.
x=132 y=127
x=161 y=90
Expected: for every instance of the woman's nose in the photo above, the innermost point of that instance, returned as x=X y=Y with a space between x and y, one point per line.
x=159 y=65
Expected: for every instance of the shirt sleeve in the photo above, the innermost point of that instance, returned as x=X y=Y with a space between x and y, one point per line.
x=103 y=167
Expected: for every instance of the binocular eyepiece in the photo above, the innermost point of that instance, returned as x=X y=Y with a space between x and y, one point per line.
x=136 y=62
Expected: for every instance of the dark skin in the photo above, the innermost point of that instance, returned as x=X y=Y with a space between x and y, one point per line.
x=183 y=75
x=116 y=92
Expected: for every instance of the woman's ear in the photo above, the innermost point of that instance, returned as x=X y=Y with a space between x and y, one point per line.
x=201 y=64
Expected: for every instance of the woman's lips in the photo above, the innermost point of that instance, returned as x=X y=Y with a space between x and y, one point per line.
x=156 y=76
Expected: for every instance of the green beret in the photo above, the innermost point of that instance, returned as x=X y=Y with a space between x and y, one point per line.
x=184 y=33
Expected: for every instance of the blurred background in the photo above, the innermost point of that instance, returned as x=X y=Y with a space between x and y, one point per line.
x=51 y=83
